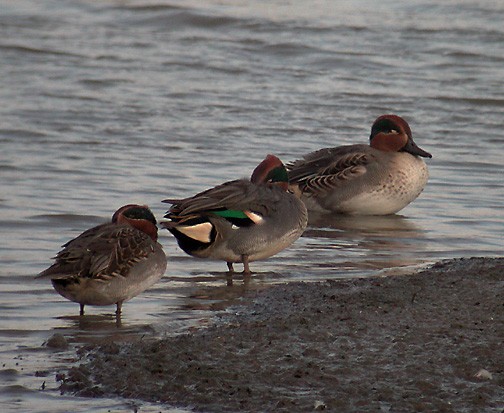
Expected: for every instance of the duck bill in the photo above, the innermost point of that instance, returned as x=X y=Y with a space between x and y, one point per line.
x=414 y=149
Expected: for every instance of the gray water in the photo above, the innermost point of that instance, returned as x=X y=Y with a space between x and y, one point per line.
x=114 y=102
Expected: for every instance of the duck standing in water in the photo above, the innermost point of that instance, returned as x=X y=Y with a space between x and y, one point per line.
x=240 y=221
x=376 y=179
x=110 y=263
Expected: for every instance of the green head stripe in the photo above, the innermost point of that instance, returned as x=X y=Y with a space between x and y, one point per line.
x=279 y=174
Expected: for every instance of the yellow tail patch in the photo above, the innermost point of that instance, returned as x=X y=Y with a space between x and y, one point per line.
x=255 y=218
x=199 y=232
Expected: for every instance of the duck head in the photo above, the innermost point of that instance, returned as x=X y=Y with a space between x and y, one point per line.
x=137 y=216
x=391 y=133
x=271 y=171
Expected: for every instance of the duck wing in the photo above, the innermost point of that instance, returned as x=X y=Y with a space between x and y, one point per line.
x=326 y=169
x=239 y=195
x=102 y=252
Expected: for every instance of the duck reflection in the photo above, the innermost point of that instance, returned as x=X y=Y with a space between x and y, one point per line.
x=364 y=242
x=216 y=291
x=97 y=327
x=363 y=223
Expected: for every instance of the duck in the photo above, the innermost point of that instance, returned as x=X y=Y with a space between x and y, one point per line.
x=376 y=179
x=112 y=262
x=239 y=221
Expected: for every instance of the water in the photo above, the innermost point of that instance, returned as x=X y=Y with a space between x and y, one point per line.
x=112 y=102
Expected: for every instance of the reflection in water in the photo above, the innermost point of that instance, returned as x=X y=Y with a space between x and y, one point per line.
x=94 y=328
x=226 y=292
x=379 y=223
x=365 y=242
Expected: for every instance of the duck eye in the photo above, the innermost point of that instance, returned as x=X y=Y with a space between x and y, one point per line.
x=394 y=131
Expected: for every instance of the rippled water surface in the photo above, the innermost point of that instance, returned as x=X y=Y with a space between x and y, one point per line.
x=112 y=102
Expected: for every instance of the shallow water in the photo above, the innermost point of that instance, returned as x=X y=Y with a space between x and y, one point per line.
x=112 y=102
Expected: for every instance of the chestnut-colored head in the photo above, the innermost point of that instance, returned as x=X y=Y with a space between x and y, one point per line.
x=271 y=171
x=139 y=217
x=391 y=133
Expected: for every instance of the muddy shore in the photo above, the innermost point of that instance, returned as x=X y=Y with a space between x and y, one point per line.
x=430 y=341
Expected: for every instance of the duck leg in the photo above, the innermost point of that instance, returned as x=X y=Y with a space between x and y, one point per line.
x=81 y=309
x=246 y=269
x=229 y=275
x=118 y=308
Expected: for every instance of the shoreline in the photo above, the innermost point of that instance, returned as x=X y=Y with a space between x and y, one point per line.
x=427 y=341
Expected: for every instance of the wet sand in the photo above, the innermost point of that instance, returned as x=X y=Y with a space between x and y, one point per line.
x=430 y=341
